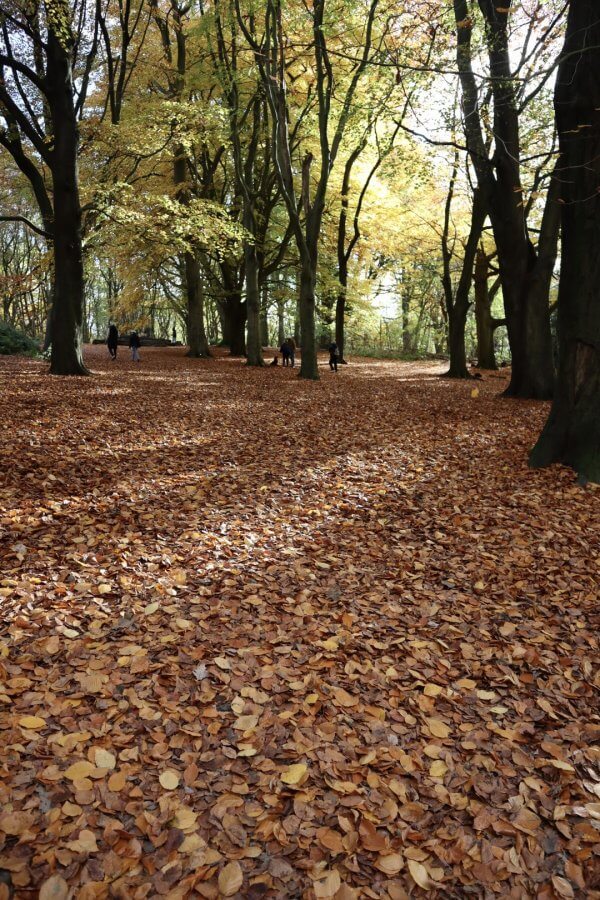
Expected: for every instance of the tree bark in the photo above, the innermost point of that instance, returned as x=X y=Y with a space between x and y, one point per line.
x=572 y=433
x=264 y=314
x=486 y=355
x=308 y=342
x=254 y=345
x=67 y=318
x=234 y=324
x=196 y=333
x=527 y=311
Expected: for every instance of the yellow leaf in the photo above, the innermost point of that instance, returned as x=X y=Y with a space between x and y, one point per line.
x=54 y=888
x=185 y=818
x=438 y=728
x=169 y=779
x=32 y=722
x=231 y=879
x=475 y=393
x=438 y=769
x=71 y=809
x=245 y=723
x=330 y=644
x=419 y=873
x=294 y=774
x=104 y=758
x=432 y=690
x=117 y=781
x=104 y=589
x=79 y=770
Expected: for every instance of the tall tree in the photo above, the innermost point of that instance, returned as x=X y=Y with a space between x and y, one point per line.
x=572 y=433
x=523 y=269
x=174 y=36
x=306 y=209
x=48 y=50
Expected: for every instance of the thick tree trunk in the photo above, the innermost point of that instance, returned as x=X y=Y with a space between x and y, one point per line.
x=527 y=312
x=456 y=345
x=486 y=355
x=572 y=433
x=67 y=319
x=196 y=334
x=234 y=332
x=308 y=278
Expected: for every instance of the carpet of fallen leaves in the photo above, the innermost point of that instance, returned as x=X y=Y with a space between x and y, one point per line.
x=269 y=638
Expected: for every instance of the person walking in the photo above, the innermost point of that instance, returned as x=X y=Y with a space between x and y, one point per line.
x=285 y=353
x=333 y=356
x=112 y=341
x=292 y=345
x=134 y=345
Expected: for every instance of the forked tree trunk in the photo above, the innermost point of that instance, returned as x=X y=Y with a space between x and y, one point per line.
x=572 y=433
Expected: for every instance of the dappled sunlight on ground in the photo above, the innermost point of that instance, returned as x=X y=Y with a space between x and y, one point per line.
x=224 y=572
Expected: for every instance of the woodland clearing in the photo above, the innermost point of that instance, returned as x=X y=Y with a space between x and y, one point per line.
x=270 y=637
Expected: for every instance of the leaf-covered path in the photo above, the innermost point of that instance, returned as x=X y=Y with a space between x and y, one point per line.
x=267 y=638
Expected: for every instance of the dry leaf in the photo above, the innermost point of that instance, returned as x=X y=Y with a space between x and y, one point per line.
x=169 y=779
x=231 y=879
x=329 y=886
x=54 y=888
x=419 y=874
x=294 y=774
x=33 y=723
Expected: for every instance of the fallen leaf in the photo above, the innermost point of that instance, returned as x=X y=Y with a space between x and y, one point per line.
x=294 y=774
x=231 y=879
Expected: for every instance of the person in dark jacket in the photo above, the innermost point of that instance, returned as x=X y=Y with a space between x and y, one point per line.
x=134 y=345
x=333 y=356
x=292 y=345
x=285 y=354
x=112 y=341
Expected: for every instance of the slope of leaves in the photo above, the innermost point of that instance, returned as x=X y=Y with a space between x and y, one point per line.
x=262 y=637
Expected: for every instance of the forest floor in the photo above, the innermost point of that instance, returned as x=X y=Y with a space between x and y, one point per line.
x=269 y=638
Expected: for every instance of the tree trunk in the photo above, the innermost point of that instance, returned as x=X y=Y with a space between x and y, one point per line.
x=67 y=319
x=308 y=342
x=196 y=333
x=572 y=433
x=254 y=348
x=527 y=312
x=264 y=314
x=406 y=335
x=340 y=322
x=486 y=356
x=280 y=321
x=234 y=321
